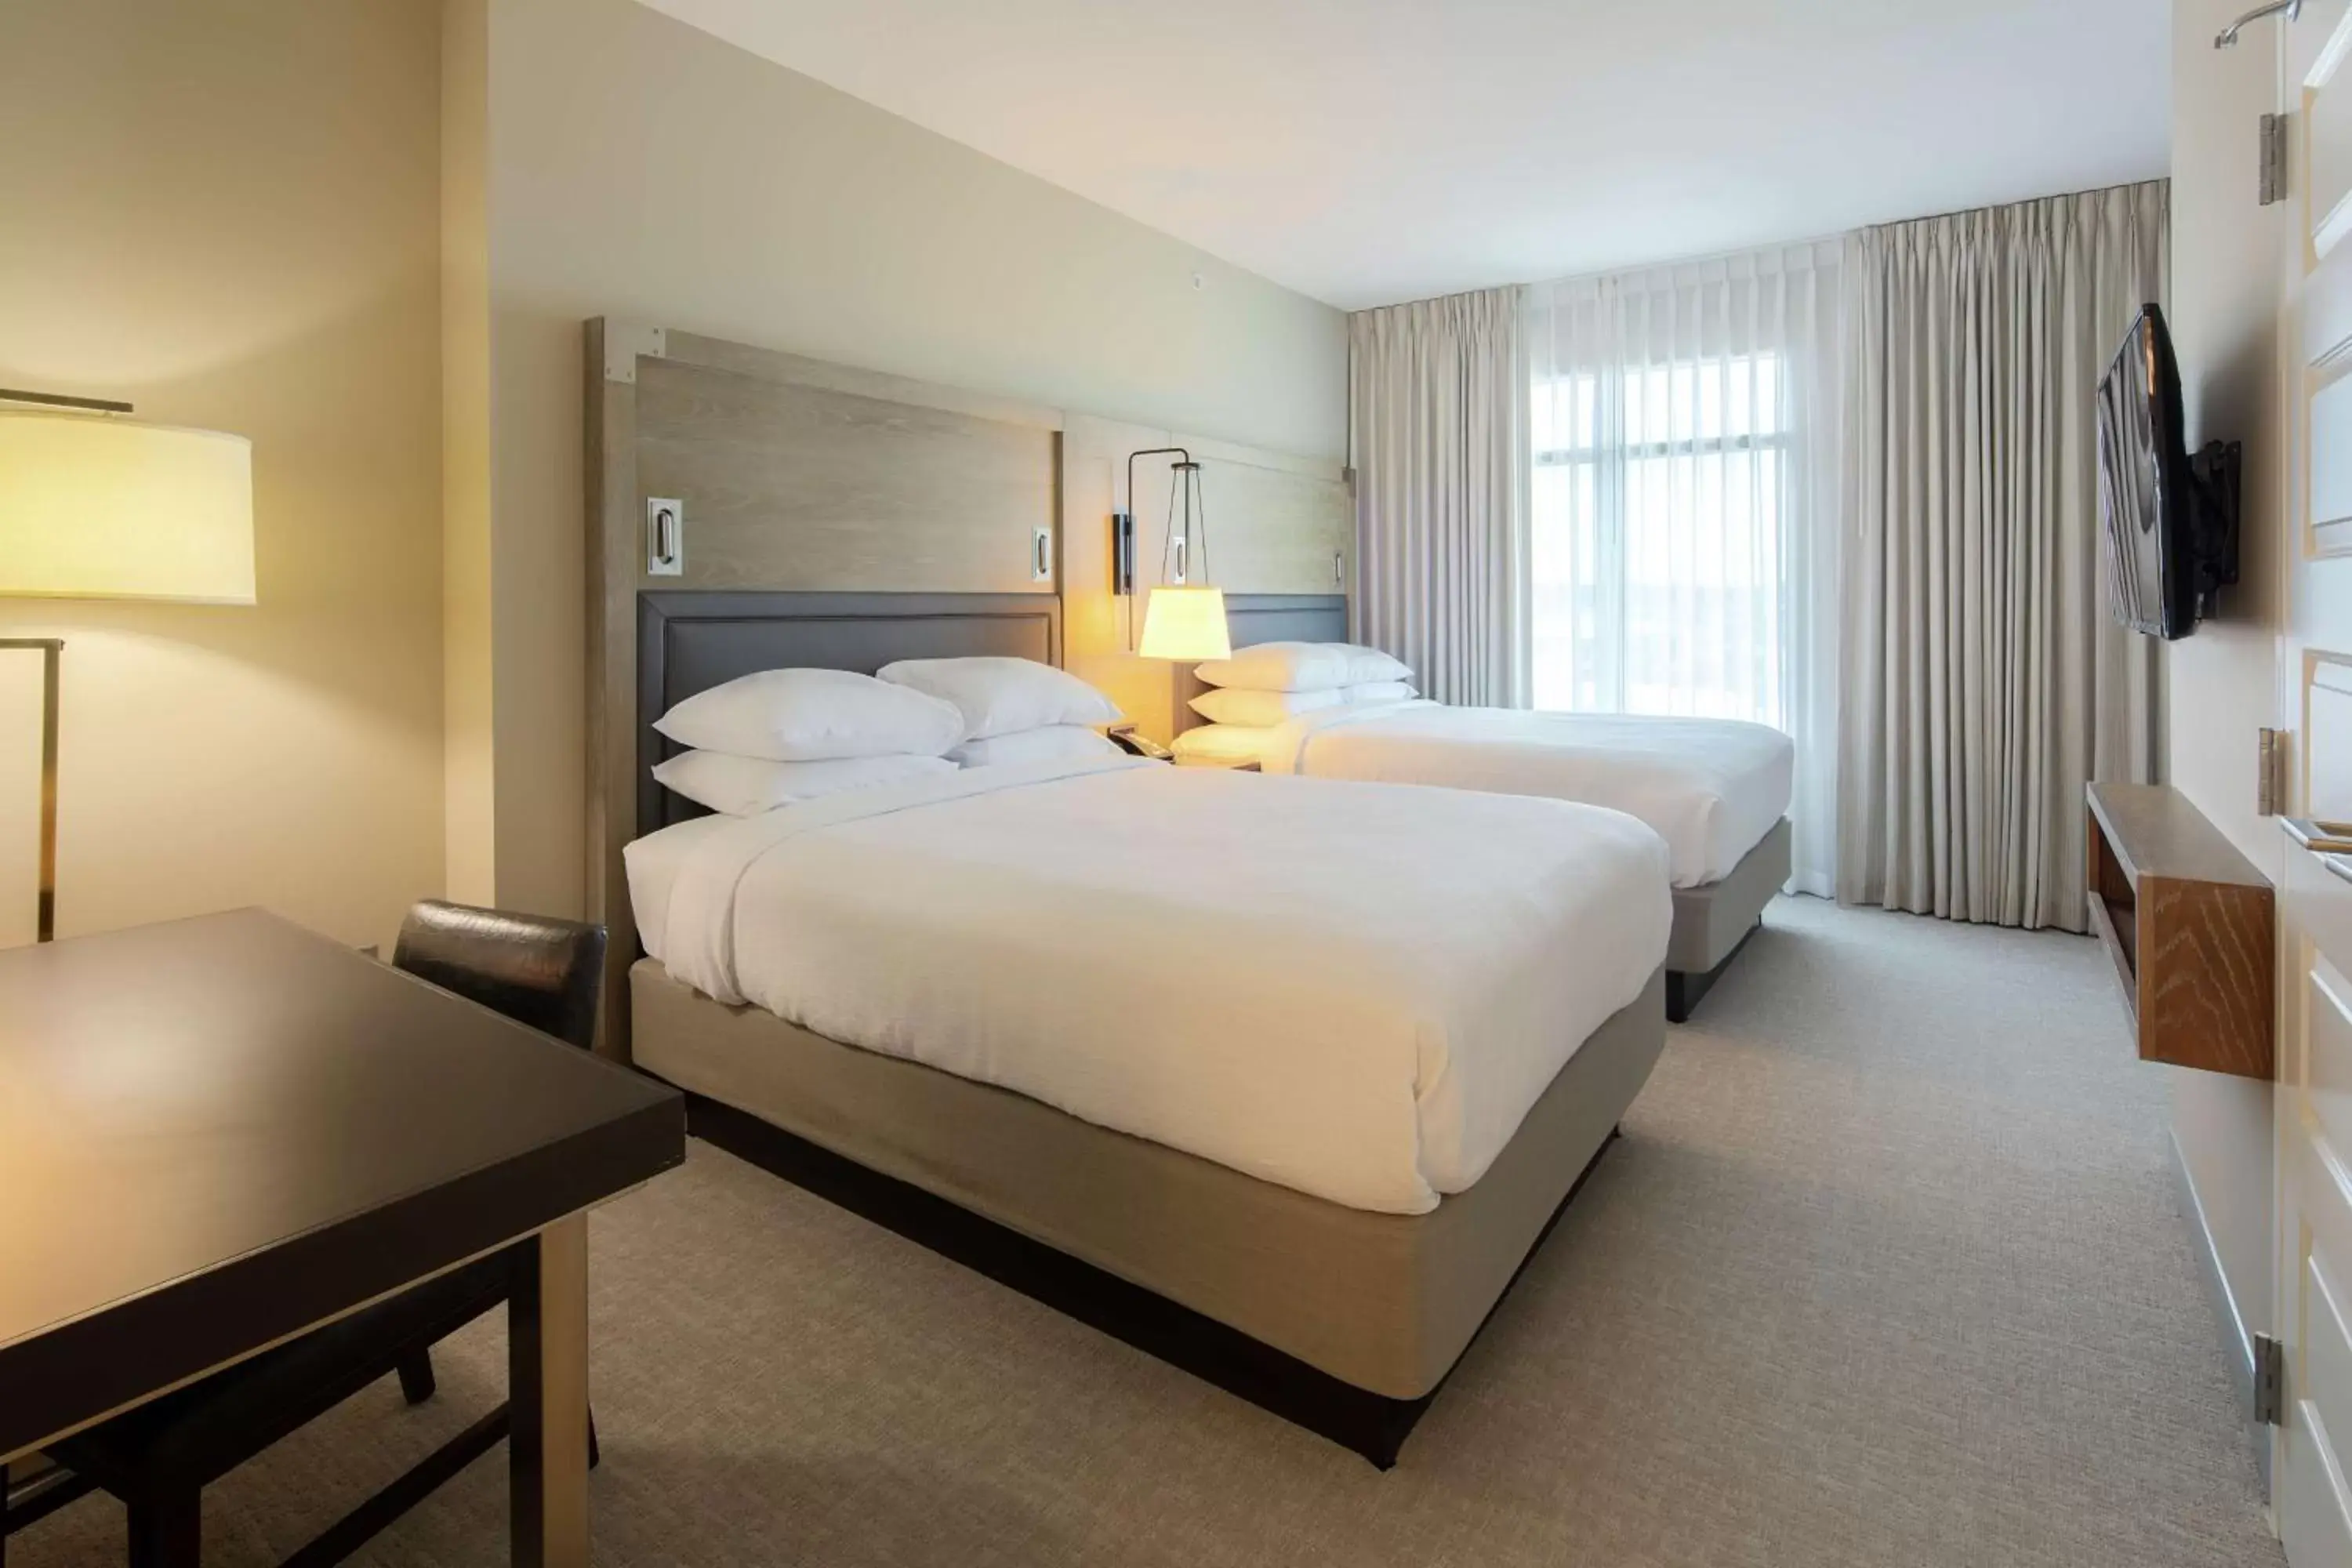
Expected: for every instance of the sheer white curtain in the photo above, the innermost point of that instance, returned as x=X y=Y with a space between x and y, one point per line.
x=1686 y=430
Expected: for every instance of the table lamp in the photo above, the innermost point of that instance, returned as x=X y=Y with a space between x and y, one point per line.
x=95 y=506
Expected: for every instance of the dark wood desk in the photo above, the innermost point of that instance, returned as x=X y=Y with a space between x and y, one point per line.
x=218 y=1132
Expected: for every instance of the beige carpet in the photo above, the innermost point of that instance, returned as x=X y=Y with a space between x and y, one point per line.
x=1885 y=1271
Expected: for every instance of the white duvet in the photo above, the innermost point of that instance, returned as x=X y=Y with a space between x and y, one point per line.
x=1711 y=788
x=1354 y=990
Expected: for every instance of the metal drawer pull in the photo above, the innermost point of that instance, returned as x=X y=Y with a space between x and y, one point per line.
x=2321 y=837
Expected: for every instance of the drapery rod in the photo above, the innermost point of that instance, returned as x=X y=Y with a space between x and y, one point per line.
x=2291 y=9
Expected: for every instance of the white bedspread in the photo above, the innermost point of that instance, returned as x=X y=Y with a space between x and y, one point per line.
x=1354 y=990
x=1712 y=787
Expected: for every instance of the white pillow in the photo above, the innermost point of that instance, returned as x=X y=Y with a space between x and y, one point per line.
x=1224 y=743
x=746 y=787
x=1377 y=692
x=1050 y=743
x=1283 y=666
x=814 y=715
x=1369 y=665
x=1263 y=710
x=1005 y=695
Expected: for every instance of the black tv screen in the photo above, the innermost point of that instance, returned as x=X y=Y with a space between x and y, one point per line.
x=2145 y=505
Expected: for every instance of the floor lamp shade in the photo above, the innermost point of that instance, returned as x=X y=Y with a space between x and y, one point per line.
x=1186 y=625
x=93 y=507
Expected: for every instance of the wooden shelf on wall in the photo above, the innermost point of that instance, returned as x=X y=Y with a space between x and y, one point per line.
x=2191 y=927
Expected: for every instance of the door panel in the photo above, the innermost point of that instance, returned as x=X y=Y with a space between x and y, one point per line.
x=2314 y=1097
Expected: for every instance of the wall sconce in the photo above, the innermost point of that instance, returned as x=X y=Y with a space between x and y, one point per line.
x=1180 y=622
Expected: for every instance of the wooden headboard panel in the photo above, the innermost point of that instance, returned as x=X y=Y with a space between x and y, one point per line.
x=689 y=642
x=1253 y=618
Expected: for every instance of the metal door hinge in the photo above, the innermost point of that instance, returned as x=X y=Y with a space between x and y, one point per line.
x=2270 y=780
x=2273 y=164
x=2270 y=1381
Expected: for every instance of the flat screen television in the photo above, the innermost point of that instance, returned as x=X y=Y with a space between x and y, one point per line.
x=2169 y=520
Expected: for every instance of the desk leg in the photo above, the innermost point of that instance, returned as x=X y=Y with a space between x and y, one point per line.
x=547 y=1374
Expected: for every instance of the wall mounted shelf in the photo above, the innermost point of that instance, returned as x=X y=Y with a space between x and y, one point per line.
x=2191 y=926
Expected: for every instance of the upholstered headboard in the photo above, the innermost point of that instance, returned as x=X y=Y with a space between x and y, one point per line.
x=1255 y=618
x=689 y=642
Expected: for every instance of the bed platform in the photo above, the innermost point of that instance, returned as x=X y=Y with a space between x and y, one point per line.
x=1714 y=923
x=1344 y=1321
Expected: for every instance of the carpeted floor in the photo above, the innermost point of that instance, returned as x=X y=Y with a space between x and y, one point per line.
x=1886 y=1270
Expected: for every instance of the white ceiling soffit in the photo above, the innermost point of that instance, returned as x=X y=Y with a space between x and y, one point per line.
x=1366 y=152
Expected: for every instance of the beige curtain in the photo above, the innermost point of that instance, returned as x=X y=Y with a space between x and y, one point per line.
x=1437 y=396
x=1982 y=682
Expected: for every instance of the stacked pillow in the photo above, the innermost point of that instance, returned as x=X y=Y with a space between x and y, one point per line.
x=783 y=735
x=1274 y=682
x=1013 y=709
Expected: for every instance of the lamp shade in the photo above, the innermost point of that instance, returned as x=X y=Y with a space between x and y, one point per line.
x=99 y=507
x=1186 y=624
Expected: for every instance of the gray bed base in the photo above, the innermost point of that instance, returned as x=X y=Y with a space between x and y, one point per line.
x=1713 y=922
x=1343 y=1320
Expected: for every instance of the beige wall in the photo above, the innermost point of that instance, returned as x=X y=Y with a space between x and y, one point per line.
x=470 y=828
x=228 y=214
x=2226 y=266
x=744 y=201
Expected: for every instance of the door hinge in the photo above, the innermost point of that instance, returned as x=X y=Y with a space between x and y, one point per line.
x=2270 y=1381
x=2270 y=780
x=2274 y=166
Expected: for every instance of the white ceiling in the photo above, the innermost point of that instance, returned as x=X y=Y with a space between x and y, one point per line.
x=1371 y=151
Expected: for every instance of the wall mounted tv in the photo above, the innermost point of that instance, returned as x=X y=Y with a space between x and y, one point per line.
x=2170 y=518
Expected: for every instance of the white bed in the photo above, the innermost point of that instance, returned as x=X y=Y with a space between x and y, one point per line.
x=1712 y=788
x=1352 y=990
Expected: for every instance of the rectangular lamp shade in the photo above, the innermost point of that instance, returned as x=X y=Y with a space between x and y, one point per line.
x=1186 y=624
x=94 y=507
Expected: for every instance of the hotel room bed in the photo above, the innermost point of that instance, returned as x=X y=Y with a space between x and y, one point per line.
x=1196 y=1174
x=1718 y=791
x=1320 y=1065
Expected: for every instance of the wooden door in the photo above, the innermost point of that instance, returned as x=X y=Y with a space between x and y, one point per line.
x=2314 y=1102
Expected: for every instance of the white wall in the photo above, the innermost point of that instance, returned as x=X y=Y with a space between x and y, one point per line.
x=228 y=214
x=2221 y=683
x=741 y=200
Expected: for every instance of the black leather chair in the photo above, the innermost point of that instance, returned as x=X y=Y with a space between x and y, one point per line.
x=159 y=1458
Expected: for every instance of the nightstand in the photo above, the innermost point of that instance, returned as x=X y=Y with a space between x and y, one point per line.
x=1233 y=765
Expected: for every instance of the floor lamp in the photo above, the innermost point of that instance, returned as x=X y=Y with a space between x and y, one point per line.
x=97 y=506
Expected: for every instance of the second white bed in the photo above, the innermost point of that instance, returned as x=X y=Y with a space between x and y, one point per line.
x=1711 y=788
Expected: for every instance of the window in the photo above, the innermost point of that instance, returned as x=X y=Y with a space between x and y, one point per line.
x=1658 y=498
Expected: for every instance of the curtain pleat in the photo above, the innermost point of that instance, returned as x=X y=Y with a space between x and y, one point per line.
x=1982 y=682
x=1437 y=414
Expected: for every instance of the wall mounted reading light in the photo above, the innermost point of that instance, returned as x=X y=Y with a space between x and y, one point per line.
x=2290 y=9
x=1122 y=526
x=1182 y=623
x=94 y=505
